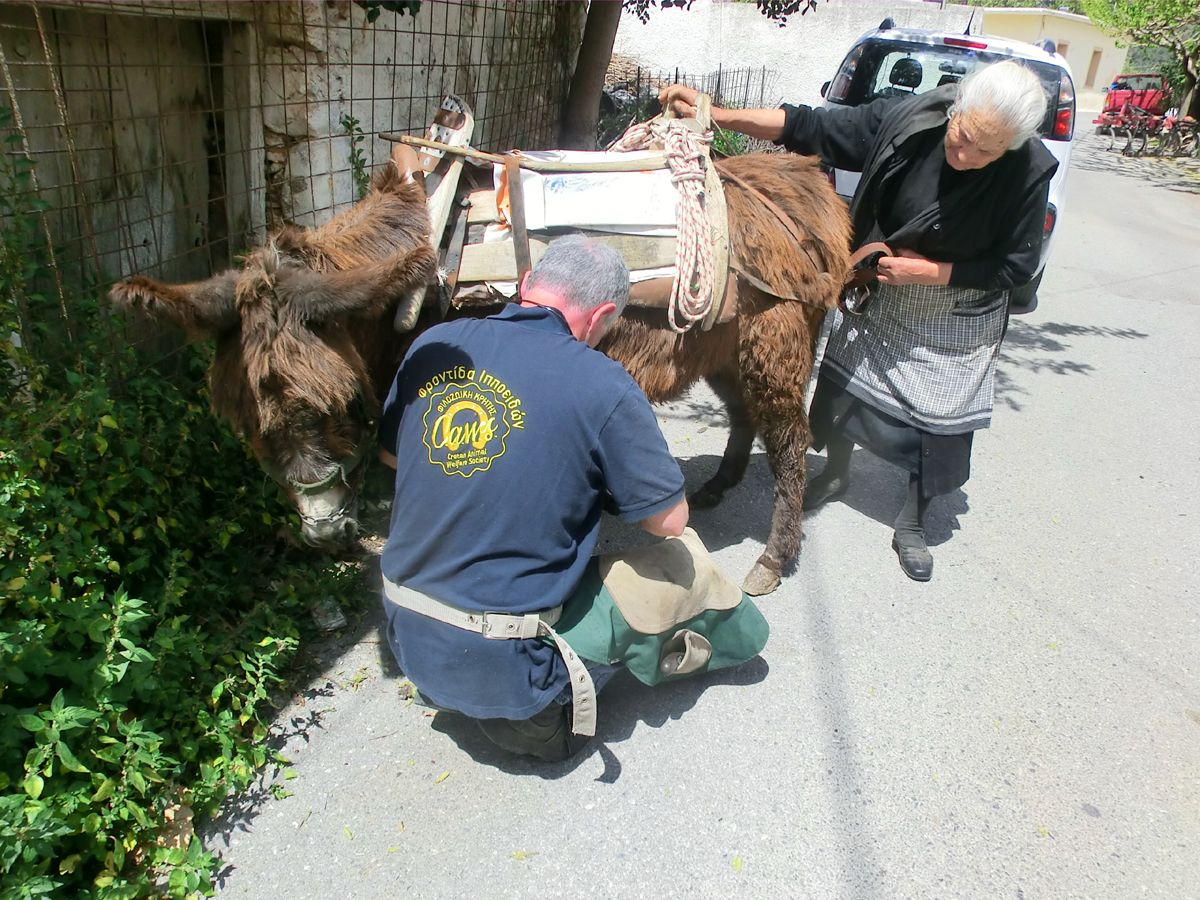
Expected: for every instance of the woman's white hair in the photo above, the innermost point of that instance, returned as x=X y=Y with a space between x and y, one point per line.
x=1009 y=92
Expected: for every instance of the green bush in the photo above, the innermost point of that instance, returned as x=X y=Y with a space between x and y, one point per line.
x=147 y=610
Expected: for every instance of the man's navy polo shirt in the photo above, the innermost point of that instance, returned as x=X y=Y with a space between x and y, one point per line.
x=509 y=435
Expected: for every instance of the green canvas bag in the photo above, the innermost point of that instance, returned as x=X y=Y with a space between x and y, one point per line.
x=665 y=611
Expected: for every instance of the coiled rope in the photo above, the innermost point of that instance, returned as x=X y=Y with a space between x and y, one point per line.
x=692 y=292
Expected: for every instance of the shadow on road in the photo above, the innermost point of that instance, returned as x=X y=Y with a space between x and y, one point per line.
x=1174 y=173
x=878 y=490
x=852 y=831
x=238 y=811
x=1031 y=347
x=625 y=703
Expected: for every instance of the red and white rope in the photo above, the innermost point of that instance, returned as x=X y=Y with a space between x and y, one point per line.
x=691 y=294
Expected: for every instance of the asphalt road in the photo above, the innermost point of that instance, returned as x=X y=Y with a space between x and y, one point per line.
x=1026 y=725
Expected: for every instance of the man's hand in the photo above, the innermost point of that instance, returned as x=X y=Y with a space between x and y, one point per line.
x=679 y=99
x=669 y=522
x=907 y=267
x=387 y=459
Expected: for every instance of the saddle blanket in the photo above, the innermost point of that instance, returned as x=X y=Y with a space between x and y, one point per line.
x=622 y=202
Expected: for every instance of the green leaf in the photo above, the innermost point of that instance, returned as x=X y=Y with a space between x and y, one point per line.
x=68 y=758
x=33 y=786
x=104 y=791
x=108 y=421
x=31 y=723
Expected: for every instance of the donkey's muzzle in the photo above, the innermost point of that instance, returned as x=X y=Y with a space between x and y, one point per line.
x=330 y=533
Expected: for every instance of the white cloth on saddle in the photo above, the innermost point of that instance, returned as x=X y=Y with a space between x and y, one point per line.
x=623 y=202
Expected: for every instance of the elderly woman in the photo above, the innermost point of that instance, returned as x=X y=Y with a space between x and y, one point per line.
x=955 y=183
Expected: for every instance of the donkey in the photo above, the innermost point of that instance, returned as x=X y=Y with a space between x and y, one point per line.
x=305 y=344
x=304 y=340
x=759 y=363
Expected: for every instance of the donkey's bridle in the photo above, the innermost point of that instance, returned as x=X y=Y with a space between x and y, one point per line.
x=340 y=472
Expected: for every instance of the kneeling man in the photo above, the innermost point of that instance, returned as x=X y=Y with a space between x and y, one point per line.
x=509 y=435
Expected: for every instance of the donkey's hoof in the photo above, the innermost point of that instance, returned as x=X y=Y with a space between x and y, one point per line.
x=761 y=580
x=705 y=498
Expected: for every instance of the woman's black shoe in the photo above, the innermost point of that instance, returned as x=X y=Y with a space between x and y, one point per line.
x=915 y=558
x=821 y=490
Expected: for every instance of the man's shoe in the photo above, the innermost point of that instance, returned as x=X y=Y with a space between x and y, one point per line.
x=915 y=558
x=546 y=736
x=822 y=489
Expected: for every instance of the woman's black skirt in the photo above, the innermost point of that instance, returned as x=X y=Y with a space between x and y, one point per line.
x=942 y=460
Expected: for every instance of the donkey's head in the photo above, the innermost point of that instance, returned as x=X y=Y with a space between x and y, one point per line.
x=299 y=329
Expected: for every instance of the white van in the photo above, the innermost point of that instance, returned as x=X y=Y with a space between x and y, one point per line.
x=894 y=62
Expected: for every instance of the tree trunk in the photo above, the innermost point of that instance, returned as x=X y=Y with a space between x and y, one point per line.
x=1190 y=104
x=583 y=100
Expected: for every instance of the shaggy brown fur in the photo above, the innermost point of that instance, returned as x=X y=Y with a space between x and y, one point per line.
x=305 y=328
x=759 y=364
x=305 y=345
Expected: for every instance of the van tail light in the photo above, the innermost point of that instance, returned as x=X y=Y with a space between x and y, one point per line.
x=1063 y=122
x=963 y=42
x=1051 y=220
x=1064 y=115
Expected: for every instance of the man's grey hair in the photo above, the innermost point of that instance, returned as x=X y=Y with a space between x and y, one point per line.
x=585 y=273
x=1009 y=92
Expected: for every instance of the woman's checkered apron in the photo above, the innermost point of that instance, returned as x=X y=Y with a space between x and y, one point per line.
x=925 y=354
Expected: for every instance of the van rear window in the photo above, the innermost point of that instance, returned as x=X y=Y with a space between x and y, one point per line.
x=887 y=68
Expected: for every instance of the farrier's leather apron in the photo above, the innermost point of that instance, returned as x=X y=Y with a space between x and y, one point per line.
x=664 y=611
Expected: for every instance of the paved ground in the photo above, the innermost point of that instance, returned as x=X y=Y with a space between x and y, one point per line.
x=1026 y=725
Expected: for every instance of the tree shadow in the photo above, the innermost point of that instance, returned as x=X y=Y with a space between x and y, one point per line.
x=1029 y=347
x=625 y=703
x=1174 y=173
x=710 y=413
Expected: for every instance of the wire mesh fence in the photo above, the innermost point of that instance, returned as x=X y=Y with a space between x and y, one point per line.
x=631 y=94
x=167 y=136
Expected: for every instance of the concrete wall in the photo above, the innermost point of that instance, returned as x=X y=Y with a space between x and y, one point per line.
x=805 y=53
x=808 y=50
x=1083 y=39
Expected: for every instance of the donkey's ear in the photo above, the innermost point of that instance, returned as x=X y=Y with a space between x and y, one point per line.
x=202 y=308
x=366 y=290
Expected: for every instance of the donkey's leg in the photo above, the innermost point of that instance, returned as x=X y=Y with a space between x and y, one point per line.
x=737 y=450
x=776 y=361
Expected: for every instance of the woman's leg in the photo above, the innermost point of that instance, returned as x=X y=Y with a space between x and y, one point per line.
x=835 y=477
x=909 y=538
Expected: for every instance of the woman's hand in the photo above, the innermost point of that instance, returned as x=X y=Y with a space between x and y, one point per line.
x=679 y=99
x=766 y=124
x=907 y=267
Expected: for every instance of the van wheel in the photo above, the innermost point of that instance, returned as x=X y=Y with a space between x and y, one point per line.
x=1024 y=299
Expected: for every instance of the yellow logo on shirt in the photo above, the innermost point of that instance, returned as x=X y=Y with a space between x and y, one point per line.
x=468 y=419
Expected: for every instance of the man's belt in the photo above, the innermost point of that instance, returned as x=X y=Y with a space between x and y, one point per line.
x=507 y=627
